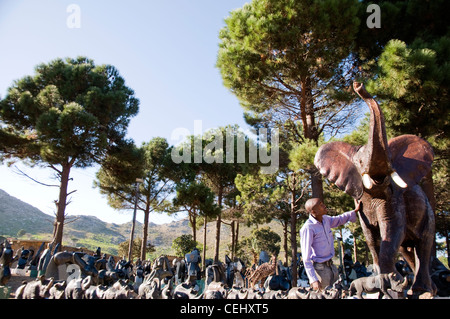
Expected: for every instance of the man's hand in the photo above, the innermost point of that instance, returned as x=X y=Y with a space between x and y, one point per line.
x=315 y=285
x=357 y=205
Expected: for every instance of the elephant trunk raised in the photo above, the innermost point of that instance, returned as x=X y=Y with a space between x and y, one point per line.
x=377 y=164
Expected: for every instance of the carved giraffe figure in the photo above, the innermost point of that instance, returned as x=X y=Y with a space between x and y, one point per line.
x=262 y=272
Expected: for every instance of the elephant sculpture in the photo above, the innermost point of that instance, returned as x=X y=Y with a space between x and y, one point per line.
x=238 y=293
x=58 y=290
x=179 y=265
x=76 y=288
x=307 y=293
x=186 y=291
x=36 y=289
x=33 y=266
x=65 y=257
x=161 y=269
x=107 y=273
x=46 y=256
x=95 y=292
x=393 y=182
x=379 y=283
x=215 y=290
x=121 y=289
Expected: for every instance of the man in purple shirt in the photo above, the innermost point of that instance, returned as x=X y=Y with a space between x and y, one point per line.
x=317 y=242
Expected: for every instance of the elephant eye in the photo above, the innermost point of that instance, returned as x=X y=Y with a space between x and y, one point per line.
x=379 y=179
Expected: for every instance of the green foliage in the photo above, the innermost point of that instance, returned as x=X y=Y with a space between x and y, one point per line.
x=117 y=176
x=69 y=110
x=262 y=239
x=264 y=197
x=123 y=248
x=184 y=244
x=272 y=55
x=302 y=156
x=197 y=199
x=138 y=178
x=135 y=251
x=196 y=196
x=413 y=83
x=359 y=135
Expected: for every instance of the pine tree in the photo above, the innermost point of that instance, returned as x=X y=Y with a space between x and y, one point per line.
x=152 y=164
x=290 y=65
x=70 y=113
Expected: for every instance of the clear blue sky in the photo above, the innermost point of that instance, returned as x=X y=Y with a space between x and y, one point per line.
x=165 y=50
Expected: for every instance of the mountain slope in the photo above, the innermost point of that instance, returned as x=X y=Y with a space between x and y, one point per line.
x=16 y=215
x=81 y=230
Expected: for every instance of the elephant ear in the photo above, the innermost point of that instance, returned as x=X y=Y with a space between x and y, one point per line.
x=334 y=160
x=411 y=157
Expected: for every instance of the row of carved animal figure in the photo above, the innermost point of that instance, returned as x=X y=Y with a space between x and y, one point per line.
x=100 y=278
x=43 y=288
x=97 y=280
x=86 y=288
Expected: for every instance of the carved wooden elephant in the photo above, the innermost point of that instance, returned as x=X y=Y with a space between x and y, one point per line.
x=36 y=289
x=186 y=291
x=307 y=293
x=76 y=287
x=379 y=283
x=215 y=290
x=58 y=290
x=121 y=289
x=95 y=292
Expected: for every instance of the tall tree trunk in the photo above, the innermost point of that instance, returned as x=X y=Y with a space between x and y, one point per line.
x=285 y=243
x=232 y=224
x=145 y=231
x=293 y=235
x=447 y=241
x=218 y=225
x=236 y=237
x=204 y=243
x=193 y=221
x=62 y=203
x=310 y=131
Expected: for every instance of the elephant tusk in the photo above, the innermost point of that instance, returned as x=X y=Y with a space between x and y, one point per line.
x=367 y=181
x=398 y=180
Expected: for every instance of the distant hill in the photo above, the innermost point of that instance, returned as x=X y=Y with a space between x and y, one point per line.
x=16 y=215
x=91 y=232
